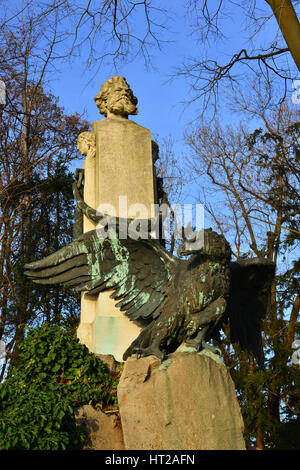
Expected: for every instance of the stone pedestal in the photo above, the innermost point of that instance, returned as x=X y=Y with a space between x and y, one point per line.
x=101 y=430
x=123 y=164
x=187 y=402
x=117 y=181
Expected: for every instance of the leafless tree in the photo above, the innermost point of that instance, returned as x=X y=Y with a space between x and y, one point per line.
x=250 y=176
x=253 y=55
x=121 y=30
x=113 y=30
x=35 y=135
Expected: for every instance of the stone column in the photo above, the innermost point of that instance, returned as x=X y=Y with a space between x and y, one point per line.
x=119 y=177
x=86 y=331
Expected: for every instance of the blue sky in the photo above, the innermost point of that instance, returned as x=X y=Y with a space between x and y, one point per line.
x=160 y=99
x=160 y=104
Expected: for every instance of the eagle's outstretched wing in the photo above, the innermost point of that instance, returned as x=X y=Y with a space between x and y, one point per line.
x=138 y=271
x=249 y=300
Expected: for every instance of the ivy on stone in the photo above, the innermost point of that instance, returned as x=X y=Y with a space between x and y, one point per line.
x=55 y=375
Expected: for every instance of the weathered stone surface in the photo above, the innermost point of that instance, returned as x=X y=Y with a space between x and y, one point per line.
x=109 y=360
x=187 y=402
x=102 y=432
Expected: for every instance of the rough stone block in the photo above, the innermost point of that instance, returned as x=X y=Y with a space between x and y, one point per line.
x=102 y=431
x=187 y=402
x=110 y=361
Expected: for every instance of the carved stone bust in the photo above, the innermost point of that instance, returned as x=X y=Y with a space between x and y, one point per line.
x=116 y=99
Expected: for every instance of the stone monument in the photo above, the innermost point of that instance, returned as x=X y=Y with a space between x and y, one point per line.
x=174 y=393
x=119 y=176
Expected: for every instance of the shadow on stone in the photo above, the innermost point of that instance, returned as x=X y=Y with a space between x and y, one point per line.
x=101 y=430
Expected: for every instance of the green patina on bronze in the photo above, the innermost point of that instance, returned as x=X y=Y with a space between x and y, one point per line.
x=78 y=188
x=175 y=300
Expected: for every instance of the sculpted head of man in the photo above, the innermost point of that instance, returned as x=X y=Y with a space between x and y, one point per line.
x=86 y=144
x=116 y=98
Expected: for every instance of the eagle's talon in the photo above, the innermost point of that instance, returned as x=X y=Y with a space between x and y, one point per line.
x=149 y=351
x=213 y=349
x=193 y=344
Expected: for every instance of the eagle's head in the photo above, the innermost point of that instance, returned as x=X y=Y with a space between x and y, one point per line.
x=207 y=243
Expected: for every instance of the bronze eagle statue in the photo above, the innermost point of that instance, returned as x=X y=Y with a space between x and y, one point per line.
x=176 y=300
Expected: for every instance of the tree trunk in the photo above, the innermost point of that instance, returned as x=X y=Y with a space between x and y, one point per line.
x=293 y=322
x=289 y=26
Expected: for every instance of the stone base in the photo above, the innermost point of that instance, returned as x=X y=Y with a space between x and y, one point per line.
x=187 y=402
x=110 y=361
x=101 y=430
